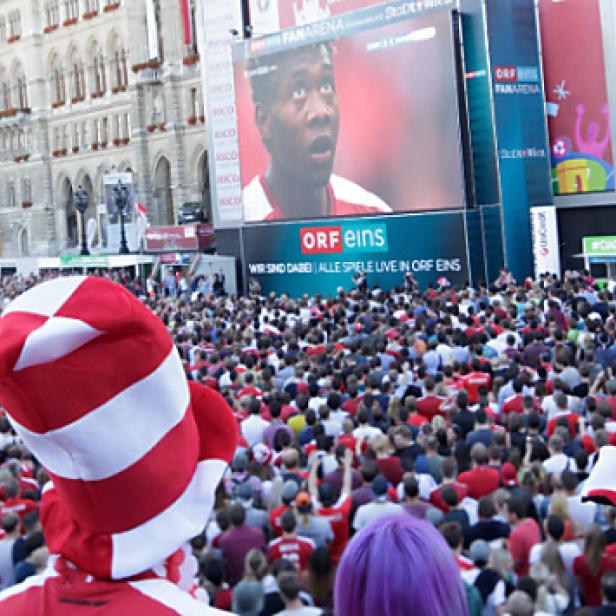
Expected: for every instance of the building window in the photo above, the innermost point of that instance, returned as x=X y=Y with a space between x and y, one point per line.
x=26 y=191
x=71 y=10
x=14 y=24
x=91 y=6
x=52 y=13
x=99 y=83
x=22 y=92
x=2 y=29
x=119 y=69
x=58 y=85
x=5 y=93
x=10 y=194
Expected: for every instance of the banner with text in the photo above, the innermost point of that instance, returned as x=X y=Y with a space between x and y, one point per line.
x=322 y=256
x=219 y=23
x=545 y=240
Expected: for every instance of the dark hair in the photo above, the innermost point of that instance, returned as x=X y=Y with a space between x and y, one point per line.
x=411 y=489
x=289 y=585
x=555 y=527
x=608 y=586
x=486 y=507
x=237 y=514
x=288 y=522
x=449 y=495
x=452 y=532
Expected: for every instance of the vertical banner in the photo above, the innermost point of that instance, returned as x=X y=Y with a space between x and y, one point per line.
x=219 y=24
x=521 y=132
x=152 y=29
x=545 y=240
x=576 y=92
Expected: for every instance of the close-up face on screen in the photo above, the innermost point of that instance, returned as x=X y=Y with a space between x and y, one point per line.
x=365 y=123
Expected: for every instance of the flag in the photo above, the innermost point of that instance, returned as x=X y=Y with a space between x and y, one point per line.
x=189 y=38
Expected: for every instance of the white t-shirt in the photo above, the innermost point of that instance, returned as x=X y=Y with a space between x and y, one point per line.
x=302 y=611
x=568 y=550
x=558 y=463
x=373 y=511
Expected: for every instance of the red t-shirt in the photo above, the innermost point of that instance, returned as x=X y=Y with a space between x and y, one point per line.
x=275 y=516
x=391 y=469
x=590 y=583
x=429 y=406
x=513 y=404
x=572 y=420
x=437 y=500
x=295 y=549
x=481 y=481
x=521 y=540
x=472 y=382
x=338 y=517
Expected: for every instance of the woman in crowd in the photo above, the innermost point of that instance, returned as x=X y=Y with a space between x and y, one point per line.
x=395 y=563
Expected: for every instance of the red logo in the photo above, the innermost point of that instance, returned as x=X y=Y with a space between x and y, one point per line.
x=505 y=73
x=321 y=240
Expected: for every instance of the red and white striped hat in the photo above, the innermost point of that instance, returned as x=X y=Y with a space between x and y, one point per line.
x=93 y=384
x=600 y=487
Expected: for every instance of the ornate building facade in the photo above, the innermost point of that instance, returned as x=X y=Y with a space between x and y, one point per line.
x=89 y=87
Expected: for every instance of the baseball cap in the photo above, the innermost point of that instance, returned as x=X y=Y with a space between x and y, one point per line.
x=289 y=491
x=509 y=475
x=480 y=551
x=303 y=502
x=379 y=487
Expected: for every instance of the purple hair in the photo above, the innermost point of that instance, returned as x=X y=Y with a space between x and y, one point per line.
x=397 y=566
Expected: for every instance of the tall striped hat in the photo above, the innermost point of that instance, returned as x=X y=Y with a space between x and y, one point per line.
x=93 y=384
x=600 y=487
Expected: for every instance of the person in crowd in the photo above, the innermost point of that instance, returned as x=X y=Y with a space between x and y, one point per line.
x=396 y=562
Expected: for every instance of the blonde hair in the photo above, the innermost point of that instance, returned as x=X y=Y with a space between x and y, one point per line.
x=380 y=443
x=255 y=565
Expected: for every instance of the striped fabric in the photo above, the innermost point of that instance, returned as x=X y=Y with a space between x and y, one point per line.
x=93 y=384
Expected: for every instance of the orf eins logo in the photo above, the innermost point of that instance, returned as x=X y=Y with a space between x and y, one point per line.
x=346 y=238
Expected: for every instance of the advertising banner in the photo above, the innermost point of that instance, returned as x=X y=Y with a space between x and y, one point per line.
x=219 y=24
x=545 y=240
x=311 y=145
x=322 y=256
x=268 y=16
x=178 y=238
x=575 y=85
x=521 y=132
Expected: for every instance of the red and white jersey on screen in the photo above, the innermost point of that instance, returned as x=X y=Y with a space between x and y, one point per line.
x=67 y=592
x=346 y=198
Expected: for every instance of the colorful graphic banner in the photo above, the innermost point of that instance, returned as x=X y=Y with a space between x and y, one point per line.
x=309 y=146
x=320 y=257
x=576 y=93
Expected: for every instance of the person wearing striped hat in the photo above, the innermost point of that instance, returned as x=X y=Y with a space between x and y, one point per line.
x=94 y=386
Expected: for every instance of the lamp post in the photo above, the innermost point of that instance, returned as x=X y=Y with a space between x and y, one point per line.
x=120 y=196
x=80 y=200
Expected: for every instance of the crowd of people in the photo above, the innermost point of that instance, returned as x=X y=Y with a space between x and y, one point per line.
x=412 y=447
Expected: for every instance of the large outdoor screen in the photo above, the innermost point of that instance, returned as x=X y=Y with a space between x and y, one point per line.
x=337 y=120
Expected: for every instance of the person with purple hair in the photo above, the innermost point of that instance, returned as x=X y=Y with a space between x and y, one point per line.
x=396 y=566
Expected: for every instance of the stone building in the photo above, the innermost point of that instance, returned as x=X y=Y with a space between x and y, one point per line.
x=89 y=87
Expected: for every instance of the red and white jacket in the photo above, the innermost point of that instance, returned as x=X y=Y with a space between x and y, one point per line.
x=64 y=591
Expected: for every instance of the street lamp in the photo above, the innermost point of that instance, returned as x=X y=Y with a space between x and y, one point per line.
x=120 y=196
x=80 y=200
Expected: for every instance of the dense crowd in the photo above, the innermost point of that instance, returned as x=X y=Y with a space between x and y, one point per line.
x=481 y=411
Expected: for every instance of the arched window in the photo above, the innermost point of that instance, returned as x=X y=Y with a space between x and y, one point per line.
x=10 y=194
x=58 y=84
x=97 y=67
x=6 y=98
x=118 y=65
x=77 y=78
x=21 y=87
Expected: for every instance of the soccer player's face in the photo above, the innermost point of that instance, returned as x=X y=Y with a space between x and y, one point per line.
x=303 y=120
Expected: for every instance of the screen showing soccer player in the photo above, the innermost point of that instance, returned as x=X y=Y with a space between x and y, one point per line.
x=364 y=123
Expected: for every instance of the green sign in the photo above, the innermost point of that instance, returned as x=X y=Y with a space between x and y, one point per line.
x=600 y=245
x=85 y=260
